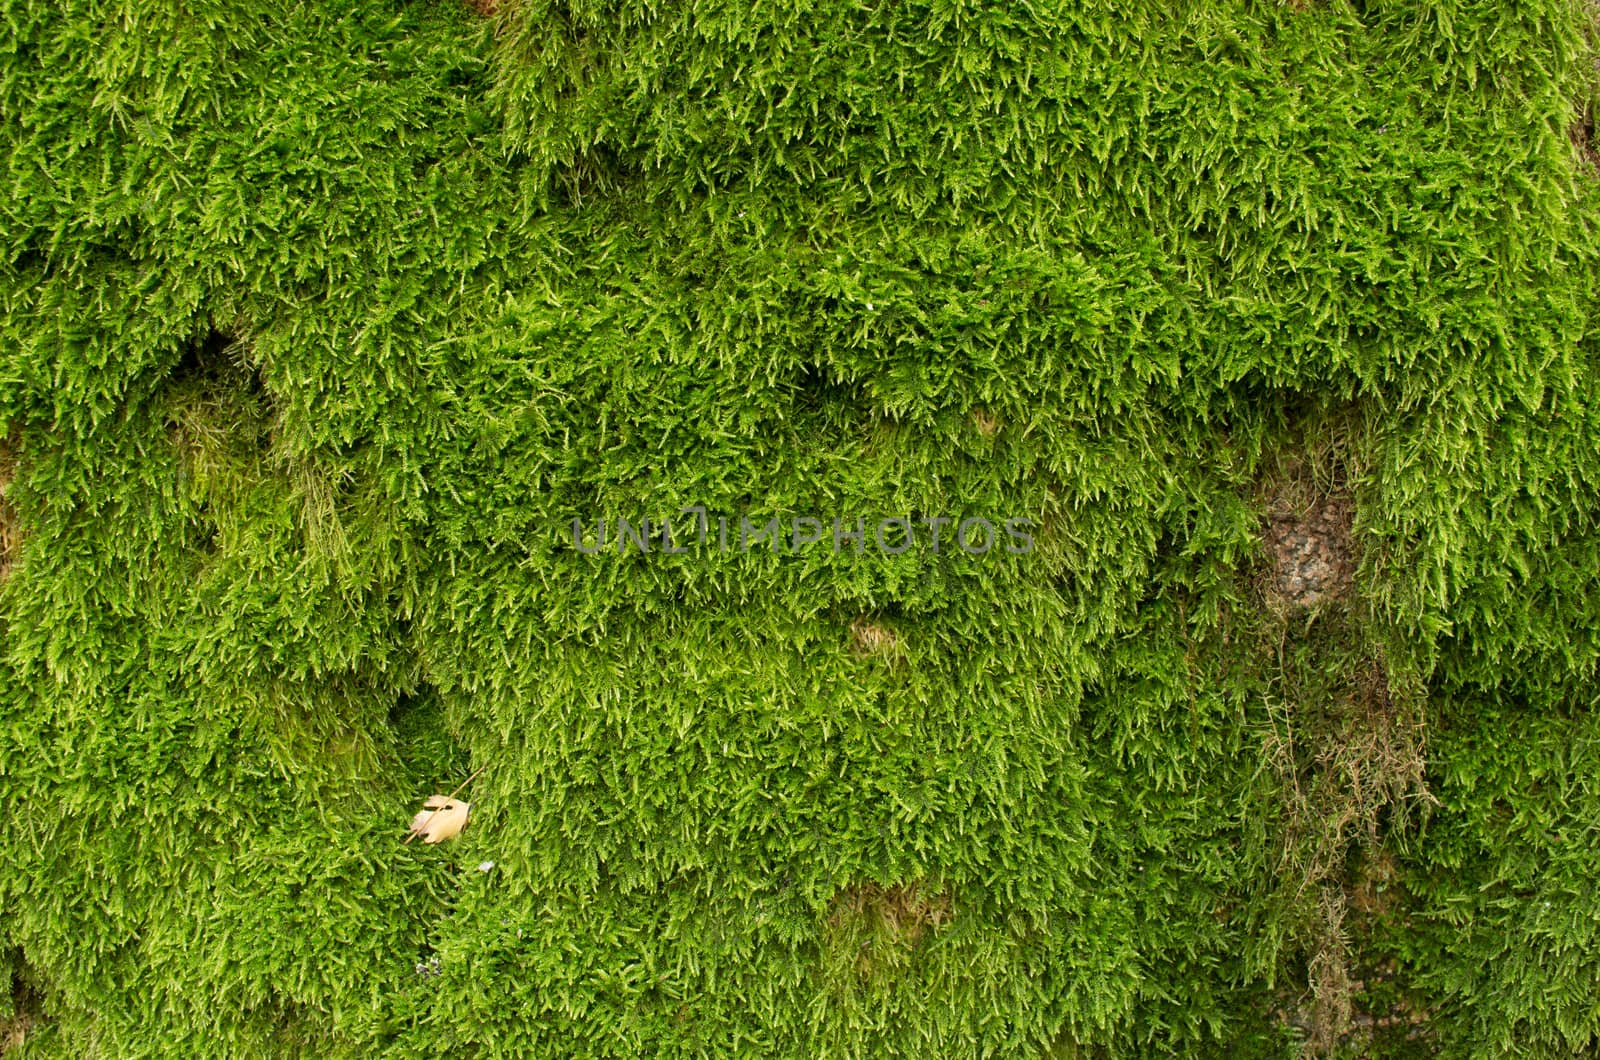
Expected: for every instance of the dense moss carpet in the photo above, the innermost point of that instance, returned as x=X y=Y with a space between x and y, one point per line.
x=1263 y=338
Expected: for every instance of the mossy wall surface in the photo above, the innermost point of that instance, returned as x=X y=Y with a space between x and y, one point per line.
x=319 y=323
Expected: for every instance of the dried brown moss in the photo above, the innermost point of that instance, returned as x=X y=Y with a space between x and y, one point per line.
x=868 y=638
x=878 y=926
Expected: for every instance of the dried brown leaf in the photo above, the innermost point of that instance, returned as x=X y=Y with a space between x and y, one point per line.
x=441 y=818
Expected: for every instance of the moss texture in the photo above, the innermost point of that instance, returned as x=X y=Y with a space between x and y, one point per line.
x=319 y=323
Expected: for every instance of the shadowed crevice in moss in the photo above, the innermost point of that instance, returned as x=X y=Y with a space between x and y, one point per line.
x=10 y=533
x=1584 y=132
x=217 y=403
x=22 y=1011
x=428 y=742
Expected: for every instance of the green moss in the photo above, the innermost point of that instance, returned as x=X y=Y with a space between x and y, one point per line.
x=319 y=324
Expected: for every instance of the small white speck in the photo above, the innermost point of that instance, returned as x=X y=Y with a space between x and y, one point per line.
x=870 y=307
x=485 y=866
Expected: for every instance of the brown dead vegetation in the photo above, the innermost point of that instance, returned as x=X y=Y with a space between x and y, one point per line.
x=883 y=924
x=24 y=1014
x=14 y=1031
x=1377 y=1020
x=871 y=638
x=988 y=423
x=1343 y=767
x=1347 y=740
x=1344 y=771
x=1329 y=975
